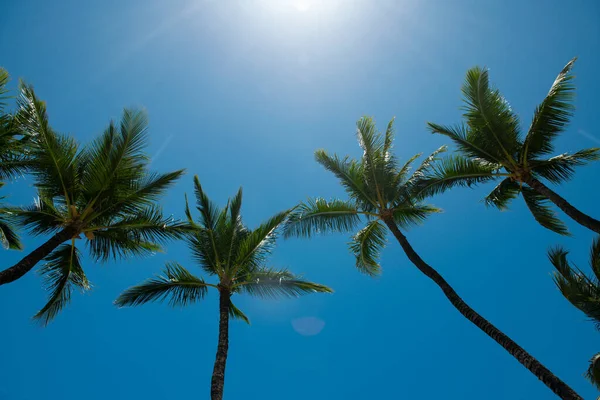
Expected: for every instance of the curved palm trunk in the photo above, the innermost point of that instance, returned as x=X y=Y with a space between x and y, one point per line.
x=527 y=360
x=218 y=378
x=29 y=261
x=575 y=214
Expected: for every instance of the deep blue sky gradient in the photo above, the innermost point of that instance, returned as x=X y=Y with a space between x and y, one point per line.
x=242 y=93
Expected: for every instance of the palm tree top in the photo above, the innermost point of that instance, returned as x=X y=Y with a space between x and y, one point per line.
x=581 y=289
x=378 y=188
x=103 y=193
x=492 y=146
x=224 y=248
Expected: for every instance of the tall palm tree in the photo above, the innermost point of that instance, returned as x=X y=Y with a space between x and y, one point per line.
x=236 y=256
x=491 y=148
x=384 y=195
x=582 y=291
x=13 y=162
x=103 y=191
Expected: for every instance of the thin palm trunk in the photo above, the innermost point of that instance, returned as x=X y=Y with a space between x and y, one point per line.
x=29 y=261
x=574 y=213
x=526 y=359
x=218 y=378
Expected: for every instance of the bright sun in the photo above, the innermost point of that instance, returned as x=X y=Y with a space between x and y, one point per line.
x=302 y=6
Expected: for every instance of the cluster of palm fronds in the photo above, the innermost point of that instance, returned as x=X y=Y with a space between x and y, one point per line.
x=105 y=194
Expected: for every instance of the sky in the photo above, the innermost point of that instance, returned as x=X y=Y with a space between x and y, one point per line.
x=242 y=93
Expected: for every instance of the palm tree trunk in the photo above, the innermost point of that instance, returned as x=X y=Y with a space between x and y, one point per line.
x=575 y=214
x=527 y=360
x=218 y=378
x=29 y=261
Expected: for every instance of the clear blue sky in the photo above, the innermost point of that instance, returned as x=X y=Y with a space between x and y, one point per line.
x=242 y=93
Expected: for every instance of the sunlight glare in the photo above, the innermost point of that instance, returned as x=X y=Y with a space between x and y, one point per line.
x=302 y=6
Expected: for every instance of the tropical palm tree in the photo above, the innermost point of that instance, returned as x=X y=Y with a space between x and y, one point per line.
x=582 y=291
x=225 y=248
x=103 y=191
x=384 y=195
x=13 y=162
x=491 y=148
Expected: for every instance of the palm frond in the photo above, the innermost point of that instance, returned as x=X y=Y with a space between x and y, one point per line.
x=453 y=171
x=466 y=142
x=54 y=168
x=503 y=193
x=579 y=289
x=176 y=284
x=236 y=313
x=366 y=246
x=209 y=212
x=389 y=137
x=120 y=244
x=4 y=79
x=258 y=244
x=136 y=195
x=561 y=168
x=409 y=214
x=350 y=174
x=320 y=216
x=551 y=116
x=492 y=123
x=593 y=372
x=541 y=211
x=149 y=224
x=62 y=273
x=278 y=283
x=42 y=217
x=8 y=233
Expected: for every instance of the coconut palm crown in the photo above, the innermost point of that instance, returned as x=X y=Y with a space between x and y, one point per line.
x=102 y=194
x=581 y=290
x=387 y=196
x=13 y=162
x=236 y=256
x=492 y=147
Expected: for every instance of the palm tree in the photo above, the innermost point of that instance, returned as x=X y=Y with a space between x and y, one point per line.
x=582 y=291
x=103 y=191
x=492 y=148
x=13 y=162
x=385 y=195
x=223 y=247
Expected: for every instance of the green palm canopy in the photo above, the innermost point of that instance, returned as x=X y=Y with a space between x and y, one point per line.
x=492 y=147
x=385 y=195
x=102 y=193
x=236 y=257
x=583 y=291
x=13 y=162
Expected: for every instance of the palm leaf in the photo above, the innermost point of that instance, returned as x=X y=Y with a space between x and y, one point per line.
x=274 y=283
x=8 y=234
x=236 y=313
x=466 y=142
x=593 y=372
x=176 y=284
x=350 y=174
x=451 y=172
x=366 y=246
x=541 y=211
x=562 y=167
x=410 y=214
x=320 y=216
x=551 y=116
x=258 y=244
x=503 y=193
x=62 y=273
x=493 y=126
